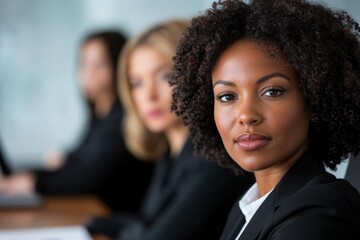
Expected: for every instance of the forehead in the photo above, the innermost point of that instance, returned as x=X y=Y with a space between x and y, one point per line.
x=145 y=59
x=146 y=52
x=94 y=47
x=247 y=59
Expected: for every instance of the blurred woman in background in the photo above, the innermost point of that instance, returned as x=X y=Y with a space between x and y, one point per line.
x=101 y=164
x=180 y=203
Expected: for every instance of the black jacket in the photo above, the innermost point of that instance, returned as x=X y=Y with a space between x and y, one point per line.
x=189 y=198
x=308 y=203
x=353 y=170
x=101 y=165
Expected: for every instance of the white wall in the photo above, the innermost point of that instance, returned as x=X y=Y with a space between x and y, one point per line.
x=40 y=102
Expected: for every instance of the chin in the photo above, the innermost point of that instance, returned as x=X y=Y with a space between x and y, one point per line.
x=157 y=128
x=90 y=96
x=250 y=163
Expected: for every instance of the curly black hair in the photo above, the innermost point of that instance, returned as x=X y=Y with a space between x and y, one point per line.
x=322 y=46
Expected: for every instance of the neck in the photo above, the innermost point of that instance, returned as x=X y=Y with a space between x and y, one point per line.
x=267 y=179
x=103 y=104
x=176 y=137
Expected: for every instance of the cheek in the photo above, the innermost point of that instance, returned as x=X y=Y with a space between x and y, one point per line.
x=139 y=101
x=88 y=86
x=166 y=99
x=225 y=121
x=165 y=94
x=291 y=122
x=84 y=77
x=105 y=77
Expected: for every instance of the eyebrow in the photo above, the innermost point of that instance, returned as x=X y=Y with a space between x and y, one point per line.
x=271 y=75
x=161 y=67
x=258 y=81
x=227 y=83
x=156 y=71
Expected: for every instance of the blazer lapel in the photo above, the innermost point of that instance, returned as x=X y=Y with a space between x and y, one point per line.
x=257 y=222
x=179 y=168
x=235 y=223
x=298 y=175
x=153 y=199
x=162 y=194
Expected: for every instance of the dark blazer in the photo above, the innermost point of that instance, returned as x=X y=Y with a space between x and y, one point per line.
x=188 y=198
x=308 y=203
x=353 y=170
x=101 y=165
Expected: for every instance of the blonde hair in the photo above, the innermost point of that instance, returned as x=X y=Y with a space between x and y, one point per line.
x=139 y=140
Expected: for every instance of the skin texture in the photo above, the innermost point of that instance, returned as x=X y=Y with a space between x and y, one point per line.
x=149 y=72
x=255 y=94
x=95 y=72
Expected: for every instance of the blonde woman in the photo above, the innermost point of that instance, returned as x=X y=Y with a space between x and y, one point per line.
x=188 y=197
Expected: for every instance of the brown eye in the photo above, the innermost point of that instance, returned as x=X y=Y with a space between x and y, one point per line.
x=226 y=97
x=274 y=92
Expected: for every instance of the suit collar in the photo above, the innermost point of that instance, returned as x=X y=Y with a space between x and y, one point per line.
x=296 y=177
x=239 y=222
x=159 y=194
x=258 y=221
x=235 y=221
x=179 y=164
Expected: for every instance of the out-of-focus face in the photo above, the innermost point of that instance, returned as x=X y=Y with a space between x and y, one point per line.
x=95 y=73
x=149 y=72
x=260 y=113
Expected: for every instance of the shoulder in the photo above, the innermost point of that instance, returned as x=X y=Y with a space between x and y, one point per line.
x=197 y=167
x=114 y=118
x=326 y=191
x=325 y=206
x=110 y=126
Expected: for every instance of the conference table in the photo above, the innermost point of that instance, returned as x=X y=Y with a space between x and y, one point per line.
x=54 y=212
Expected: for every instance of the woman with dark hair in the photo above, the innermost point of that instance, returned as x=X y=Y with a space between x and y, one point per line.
x=272 y=88
x=101 y=164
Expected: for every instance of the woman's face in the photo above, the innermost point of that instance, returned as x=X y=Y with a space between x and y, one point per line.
x=259 y=111
x=149 y=72
x=96 y=73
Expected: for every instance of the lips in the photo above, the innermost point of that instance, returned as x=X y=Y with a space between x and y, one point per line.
x=251 y=141
x=155 y=113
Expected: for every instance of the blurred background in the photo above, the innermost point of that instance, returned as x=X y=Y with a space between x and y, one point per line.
x=41 y=106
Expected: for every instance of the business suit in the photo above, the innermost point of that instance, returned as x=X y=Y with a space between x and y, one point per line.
x=189 y=198
x=308 y=203
x=101 y=165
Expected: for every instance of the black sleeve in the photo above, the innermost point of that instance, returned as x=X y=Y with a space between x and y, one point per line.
x=102 y=166
x=84 y=170
x=201 y=194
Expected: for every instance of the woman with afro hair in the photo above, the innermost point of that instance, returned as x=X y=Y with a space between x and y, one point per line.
x=272 y=87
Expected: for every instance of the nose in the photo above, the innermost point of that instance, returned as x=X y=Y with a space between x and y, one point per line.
x=249 y=113
x=152 y=91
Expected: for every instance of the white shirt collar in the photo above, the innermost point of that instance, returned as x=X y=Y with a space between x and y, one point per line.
x=250 y=203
